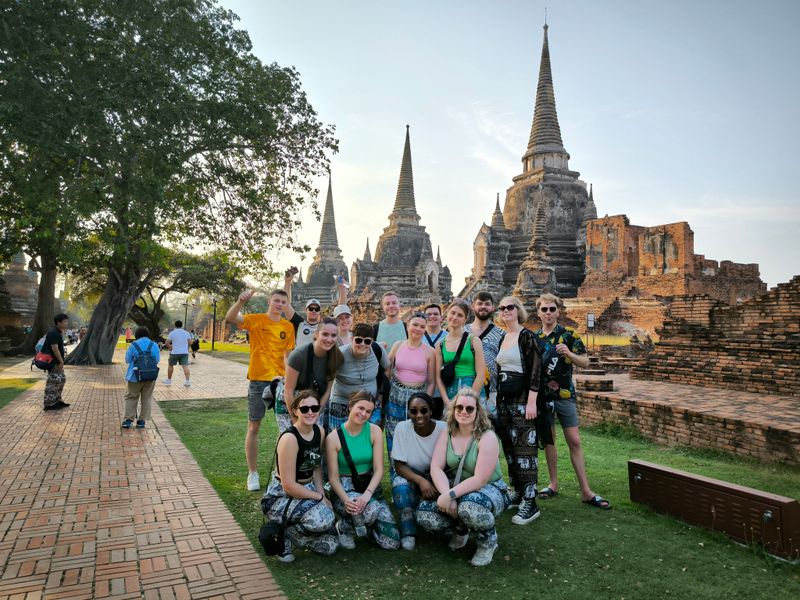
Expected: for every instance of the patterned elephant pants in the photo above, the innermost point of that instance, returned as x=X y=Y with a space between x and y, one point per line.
x=54 y=387
x=309 y=523
x=518 y=436
x=405 y=497
x=377 y=517
x=396 y=411
x=476 y=514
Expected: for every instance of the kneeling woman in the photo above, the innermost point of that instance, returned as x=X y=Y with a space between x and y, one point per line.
x=470 y=502
x=354 y=455
x=412 y=453
x=295 y=494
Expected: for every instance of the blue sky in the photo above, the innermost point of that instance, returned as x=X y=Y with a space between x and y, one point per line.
x=675 y=111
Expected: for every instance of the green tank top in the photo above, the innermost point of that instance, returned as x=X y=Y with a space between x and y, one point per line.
x=360 y=448
x=466 y=364
x=469 y=463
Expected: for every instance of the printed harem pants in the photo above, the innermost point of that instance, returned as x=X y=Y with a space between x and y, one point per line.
x=405 y=497
x=518 y=436
x=54 y=387
x=377 y=517
x=396 y=411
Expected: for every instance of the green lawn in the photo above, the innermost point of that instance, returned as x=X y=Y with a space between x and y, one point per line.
x=572 y=552
x=11 y=388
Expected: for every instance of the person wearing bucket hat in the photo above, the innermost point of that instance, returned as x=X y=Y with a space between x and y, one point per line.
x=344 y=321
x=304 y=329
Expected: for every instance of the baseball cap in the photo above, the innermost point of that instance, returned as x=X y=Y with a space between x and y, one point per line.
x=341 y=309
x=313 y=301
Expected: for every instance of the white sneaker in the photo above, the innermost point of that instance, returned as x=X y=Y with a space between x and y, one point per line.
x=483 y=556
x=346 y=541
x=408 y=542
x=166 y=381
x=187 y=383
x=458 y=541
x=253 y=482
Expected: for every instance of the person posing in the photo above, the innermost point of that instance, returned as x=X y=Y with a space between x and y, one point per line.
x=271 y=339
x=468 y=364
x=561 y=347
x=519 y=371
x=354 y=454
x=413 y=370
x=471 y=501
x=139 y=391
x=411 y=454
x=490 y=336
x=344 y=322
x=391 y=329
x=312 y=366
x=178 y=342
x=296 y=489
x=434 y=333
x=304 y=329
x=364 y=360
x=56 y=379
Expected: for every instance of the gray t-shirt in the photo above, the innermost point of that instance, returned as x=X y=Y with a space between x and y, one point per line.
x=391 y=333
x=298 y=360
x=357 y=374
x=414 y=450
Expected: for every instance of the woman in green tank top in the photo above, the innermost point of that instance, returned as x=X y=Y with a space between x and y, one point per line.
x=471 y=366
x=471 y=501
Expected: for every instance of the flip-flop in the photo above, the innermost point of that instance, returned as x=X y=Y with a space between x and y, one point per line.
x=546 y=493
x=598 y=502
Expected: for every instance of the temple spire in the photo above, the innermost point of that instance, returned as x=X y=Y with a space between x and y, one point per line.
x=438 y=256
x=404 y=204
x=497 y=217
x=367 y=253
x=327 y=236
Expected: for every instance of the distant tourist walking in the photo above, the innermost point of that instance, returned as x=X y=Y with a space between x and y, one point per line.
x=54 y=346
x=142 y=358
x=178 y=342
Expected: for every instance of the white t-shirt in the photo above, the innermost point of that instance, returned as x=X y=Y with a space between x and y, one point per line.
x=411 y=448
x=180 y=339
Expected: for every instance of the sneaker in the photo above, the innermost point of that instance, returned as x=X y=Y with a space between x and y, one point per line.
x=458 y=541
x=253 y=482
x=408 y=542
x=483 y=556
x=140 y=424
x=528 y=511
x=187 y=383
x=346 y=540
x=126 y=424
x=57 y=406
x=514 y=498
x=286 y=555
x=62 y=404
x=166 y=381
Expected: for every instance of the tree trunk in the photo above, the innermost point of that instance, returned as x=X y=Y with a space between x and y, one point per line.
x=148 y=318
x=45 y=307
x=97 y=346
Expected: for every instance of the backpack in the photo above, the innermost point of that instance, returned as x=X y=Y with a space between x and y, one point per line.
x=145 y=367
x=40 y=344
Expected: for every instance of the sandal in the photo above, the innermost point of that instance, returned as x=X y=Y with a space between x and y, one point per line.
x=546 y=493
x=598 y=502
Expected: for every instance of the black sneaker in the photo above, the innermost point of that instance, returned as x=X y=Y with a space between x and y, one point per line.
x=514 y=498
x=286 y=555
x=528 y=511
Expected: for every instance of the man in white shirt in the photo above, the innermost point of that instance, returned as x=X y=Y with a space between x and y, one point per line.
x=178 y=342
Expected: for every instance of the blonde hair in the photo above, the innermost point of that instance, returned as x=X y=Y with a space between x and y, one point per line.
x=481 y=424
x=522 y=314
x=548 y=299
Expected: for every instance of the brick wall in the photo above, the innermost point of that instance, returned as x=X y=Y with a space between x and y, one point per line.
x=753 y=347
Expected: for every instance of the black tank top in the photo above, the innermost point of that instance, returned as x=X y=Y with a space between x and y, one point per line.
x=309 y=454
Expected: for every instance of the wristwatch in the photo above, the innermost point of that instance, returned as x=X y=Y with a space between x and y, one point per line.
x=452 y=494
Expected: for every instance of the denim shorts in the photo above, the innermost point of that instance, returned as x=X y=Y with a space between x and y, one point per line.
x=256 y=407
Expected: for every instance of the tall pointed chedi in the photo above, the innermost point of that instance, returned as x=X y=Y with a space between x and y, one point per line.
x=546 y=197
x=403 y=260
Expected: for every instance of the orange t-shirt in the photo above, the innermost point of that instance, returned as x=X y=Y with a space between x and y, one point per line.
x=269 y=342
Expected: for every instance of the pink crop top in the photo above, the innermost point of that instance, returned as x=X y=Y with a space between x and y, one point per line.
x=410 y=365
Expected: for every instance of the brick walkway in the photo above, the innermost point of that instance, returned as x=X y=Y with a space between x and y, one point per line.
x=88 y=510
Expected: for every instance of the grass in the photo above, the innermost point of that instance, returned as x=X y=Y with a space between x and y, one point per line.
x=572 y=551
x=11 y=388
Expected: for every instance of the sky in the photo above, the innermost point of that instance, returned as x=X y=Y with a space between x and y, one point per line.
x=674 y=111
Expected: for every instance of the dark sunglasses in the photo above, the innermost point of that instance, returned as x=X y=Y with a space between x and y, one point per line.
x=362 y=340
x=507 y=307
x=420 y=315
x=314 y=408
x=464 y=408
x=545 y=309
x=313 y=308
x=418 y=411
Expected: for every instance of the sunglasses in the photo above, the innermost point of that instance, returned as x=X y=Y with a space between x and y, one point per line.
x=313 y=308
x=546 y=309
x=420 y=315
x=469 y=409
x=418 y=411
x=362 y=340
x=314 y=408
x=508 y=307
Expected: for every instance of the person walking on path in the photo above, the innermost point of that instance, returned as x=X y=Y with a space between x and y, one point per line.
x=561 y=347
x=271 y=339
x=139 y=391
x=56 y=379
x=178 y=342
x=490 y=336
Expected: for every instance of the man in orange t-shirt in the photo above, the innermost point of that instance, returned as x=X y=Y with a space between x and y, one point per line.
x=271 y=340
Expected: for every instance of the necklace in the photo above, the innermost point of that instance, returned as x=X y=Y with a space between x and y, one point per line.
x=361 y=364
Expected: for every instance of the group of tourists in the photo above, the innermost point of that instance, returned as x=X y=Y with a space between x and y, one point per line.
x=446 y=402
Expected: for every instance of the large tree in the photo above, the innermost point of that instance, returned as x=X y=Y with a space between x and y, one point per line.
x=184 y=134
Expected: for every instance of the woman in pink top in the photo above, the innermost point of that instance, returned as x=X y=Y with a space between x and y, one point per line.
x=413 y=365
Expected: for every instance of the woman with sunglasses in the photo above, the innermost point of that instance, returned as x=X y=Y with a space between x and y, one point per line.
x=354 y=455
x=362 y=360
x=519 y=366
x=295 y=495
x=476 y=495
x=470 y=362
x=312 y=366
x=413 y=370
x=412 y=452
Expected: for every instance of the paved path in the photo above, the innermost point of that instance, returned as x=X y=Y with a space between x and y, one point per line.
x=88 y=510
